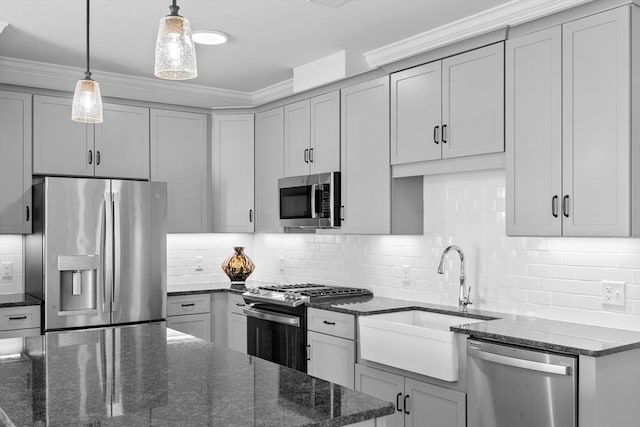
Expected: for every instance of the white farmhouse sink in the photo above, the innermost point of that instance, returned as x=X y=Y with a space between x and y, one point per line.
x=414 y=340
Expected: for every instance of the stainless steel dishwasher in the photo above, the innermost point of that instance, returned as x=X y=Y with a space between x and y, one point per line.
x=516 y=387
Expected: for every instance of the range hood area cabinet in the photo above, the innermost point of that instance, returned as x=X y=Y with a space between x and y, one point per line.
x=233 y=173
x=572 y=164
x=449 y=108
x=180 y=157
x=116 y=148
x=15 y=163
x=312 y=135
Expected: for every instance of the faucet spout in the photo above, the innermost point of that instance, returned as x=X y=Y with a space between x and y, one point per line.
x=463 y=297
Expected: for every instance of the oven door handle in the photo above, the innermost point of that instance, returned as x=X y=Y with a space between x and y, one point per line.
x=272 y=317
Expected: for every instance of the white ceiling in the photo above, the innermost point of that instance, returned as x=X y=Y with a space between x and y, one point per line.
x=268 y=38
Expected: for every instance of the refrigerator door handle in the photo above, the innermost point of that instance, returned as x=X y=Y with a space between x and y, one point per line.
x=117 y=252
x=106 y=247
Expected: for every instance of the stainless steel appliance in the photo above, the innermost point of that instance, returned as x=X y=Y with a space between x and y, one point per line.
x=97 y=255
x=310 y=201
x=517 y=387
x=276 y=319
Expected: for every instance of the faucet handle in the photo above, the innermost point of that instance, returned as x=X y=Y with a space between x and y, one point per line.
x=467 y=299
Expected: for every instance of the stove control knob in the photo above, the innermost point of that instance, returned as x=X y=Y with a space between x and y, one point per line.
x=288 y=296
x=254 y=291
x=297 y=296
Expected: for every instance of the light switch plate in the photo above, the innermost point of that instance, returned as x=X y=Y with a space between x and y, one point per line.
x=406 y=274
x=198 y=263
x=613 y=293
x=7 y=269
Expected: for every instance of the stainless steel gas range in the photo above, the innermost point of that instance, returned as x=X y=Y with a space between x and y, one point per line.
x=276 y=319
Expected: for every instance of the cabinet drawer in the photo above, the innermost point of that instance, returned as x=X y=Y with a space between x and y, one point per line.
x=19 y=318
x=188 y=304
x=198 y=325
x=332 y=323
x=236 y=304
x=20 y=333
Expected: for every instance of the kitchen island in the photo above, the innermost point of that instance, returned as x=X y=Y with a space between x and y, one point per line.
x=151 y=375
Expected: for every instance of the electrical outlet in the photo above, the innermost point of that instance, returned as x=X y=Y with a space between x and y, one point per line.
x=7 y=269
x=283 y=262
x=406 y=273
x=613 y=293
x=199 y=263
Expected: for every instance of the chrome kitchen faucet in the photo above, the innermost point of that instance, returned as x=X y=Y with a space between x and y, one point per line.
x=464 y=297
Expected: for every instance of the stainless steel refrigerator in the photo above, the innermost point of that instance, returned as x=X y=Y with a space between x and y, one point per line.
x=97 y=255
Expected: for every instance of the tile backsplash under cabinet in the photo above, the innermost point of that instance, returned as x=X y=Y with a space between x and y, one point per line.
x=557 y=278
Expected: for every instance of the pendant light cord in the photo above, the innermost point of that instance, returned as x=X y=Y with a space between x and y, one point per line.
x=87 y=73
x=174 y=8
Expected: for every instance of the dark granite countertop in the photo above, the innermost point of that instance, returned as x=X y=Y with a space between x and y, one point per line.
x=150 y=375
x=543 y=334
x=209 y=288
x=18 y=300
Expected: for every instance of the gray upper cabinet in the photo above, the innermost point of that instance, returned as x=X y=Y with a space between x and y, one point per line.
x=366 y=169
x=233 y=173
x=116 y=148
x=15 y=162
x=569 y=96
x=312 y=135
x=269 y=167
x=179 y=157
x=60 y=145
x=122 y=142
x=449 y=108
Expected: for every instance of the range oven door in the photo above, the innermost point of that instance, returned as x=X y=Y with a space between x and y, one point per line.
x=277 y=334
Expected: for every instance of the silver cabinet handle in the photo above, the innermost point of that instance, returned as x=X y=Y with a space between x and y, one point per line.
x=520 y=363
x=271 y=317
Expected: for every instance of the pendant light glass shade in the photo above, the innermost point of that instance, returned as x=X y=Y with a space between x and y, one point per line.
x=175 y=51
x=87 y=102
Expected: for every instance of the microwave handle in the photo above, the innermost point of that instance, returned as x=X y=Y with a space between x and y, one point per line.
x=314 y=191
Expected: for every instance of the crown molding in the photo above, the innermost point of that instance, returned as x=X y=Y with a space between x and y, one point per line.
x=509 y=14
x=58 y=77
x=272 y=93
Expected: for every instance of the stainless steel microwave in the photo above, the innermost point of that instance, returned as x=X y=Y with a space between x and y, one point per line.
x=310 y=201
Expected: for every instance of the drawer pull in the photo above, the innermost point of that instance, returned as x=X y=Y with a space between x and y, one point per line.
x=240 y=304
x=17 y=317
x=326 y=322
x=191 y=304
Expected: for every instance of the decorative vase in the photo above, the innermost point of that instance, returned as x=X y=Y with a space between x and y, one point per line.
x=238 y=267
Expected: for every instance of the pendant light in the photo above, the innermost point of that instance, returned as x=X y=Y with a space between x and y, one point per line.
x=175 y=51
x=87 y=102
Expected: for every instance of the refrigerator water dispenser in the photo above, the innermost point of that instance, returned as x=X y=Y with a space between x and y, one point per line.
x=78 y=282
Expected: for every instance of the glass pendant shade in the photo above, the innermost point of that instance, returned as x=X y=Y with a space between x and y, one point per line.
x=87 y=102
x=175 y=51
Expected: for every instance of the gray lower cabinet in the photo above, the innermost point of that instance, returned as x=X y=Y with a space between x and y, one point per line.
x=190 y=314
x=417 y=403
x=236 y=324
x=179 y=157
x=15 y=162
x=19 y=321
x=331 y=346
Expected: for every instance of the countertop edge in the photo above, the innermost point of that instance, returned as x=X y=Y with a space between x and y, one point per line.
x=27 y=301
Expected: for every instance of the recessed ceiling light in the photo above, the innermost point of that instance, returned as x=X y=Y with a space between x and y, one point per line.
x=209 y=37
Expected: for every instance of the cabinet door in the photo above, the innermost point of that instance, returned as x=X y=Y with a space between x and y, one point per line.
x=269 y=168
x=416 y=114
x=331 y=358
x=15 y=162
x=179 y=157
x=473 y=102
x=297 y=134
x=534 y=134
x=122 y=142
x=233 y=172
x=366 y=171
x=385 y=386
x=198 y=325
x=60 y=145
x=432 y=406
x=324 y=151
x=237 y=332
x=596 y=137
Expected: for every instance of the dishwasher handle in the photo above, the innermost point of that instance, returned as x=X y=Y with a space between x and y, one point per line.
x=519 y=363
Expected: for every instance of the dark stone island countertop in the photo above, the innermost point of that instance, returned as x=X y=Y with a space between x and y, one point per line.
x=18 y=300
x=143 y=375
